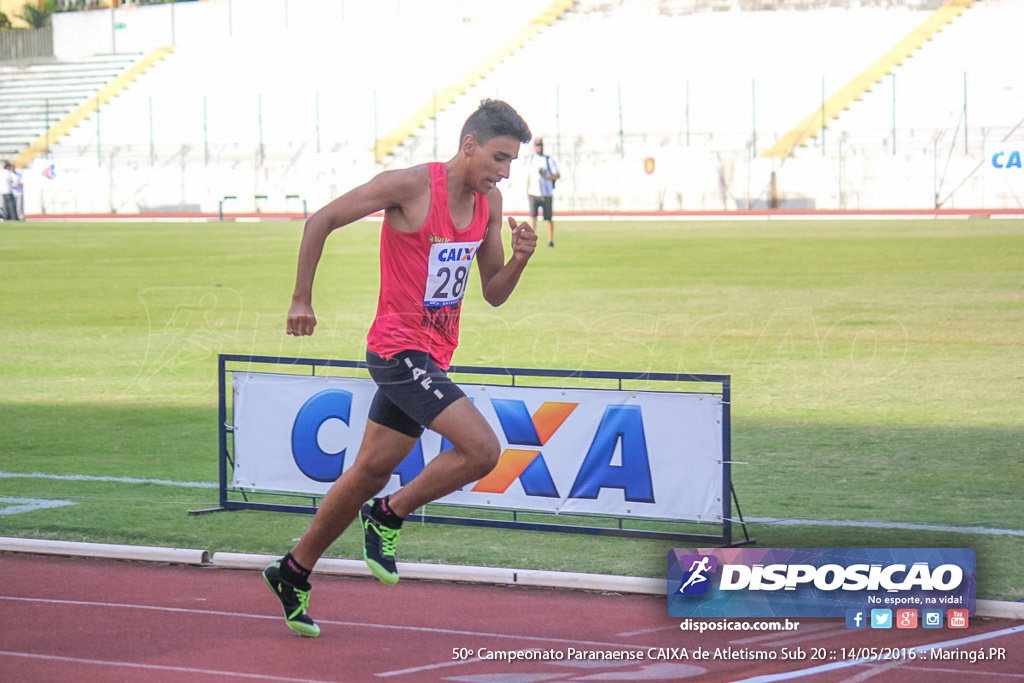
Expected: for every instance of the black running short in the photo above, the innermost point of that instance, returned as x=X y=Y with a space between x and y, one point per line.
x=411 y=391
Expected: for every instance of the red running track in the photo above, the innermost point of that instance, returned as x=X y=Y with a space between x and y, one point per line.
x=83 y=620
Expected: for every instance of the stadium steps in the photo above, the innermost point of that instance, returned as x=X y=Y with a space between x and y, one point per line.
x=387 y=144
x=102 y=91
x=35 y=95
x=810 y=127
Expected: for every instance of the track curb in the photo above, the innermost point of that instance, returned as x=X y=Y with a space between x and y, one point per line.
x=105 y=551
x=409 y=570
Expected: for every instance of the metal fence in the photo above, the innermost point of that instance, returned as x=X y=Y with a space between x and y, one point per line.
x=28 y=44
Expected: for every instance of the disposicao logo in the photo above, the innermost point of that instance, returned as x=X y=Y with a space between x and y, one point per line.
x=696 y=580
x=824 y=582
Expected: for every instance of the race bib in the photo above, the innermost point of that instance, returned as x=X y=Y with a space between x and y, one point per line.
x=448 y=272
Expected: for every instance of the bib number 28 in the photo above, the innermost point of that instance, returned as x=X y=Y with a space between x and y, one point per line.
x=448 y=272
x=453 y=284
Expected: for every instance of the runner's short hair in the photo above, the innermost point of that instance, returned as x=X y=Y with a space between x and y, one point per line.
x=493 y=119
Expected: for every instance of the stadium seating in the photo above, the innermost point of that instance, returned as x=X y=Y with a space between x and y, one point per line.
x=34 y=97
x=855 y=88
x=930 y=87
x=319 y=97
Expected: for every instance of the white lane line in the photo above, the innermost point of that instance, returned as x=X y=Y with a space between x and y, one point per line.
x=155 y=667
x=351 y=624
x=427 y=667
x=834 y=666
x=974 y=672
x=645 y=631
x=547 y=640
x=807 y=631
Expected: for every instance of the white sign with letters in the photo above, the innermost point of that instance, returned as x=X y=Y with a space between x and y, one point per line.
x=655 y=455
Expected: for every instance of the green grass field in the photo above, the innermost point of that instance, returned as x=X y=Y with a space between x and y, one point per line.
x=877 y=372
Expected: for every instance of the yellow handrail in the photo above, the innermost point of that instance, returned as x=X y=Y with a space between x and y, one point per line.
x=418 y=119
x=811 y=125
x=58 y=130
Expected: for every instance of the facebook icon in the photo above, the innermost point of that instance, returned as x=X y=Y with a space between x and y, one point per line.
x=856 y=618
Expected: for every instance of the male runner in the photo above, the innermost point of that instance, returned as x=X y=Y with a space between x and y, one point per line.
x=438 y=219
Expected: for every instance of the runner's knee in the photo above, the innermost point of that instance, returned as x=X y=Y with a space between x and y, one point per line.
x=368 y=478
x=481 y=453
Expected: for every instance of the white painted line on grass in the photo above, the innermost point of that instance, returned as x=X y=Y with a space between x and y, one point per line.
x=877 y=524
x=778 y=521
x=14 y=506
x=118 y=480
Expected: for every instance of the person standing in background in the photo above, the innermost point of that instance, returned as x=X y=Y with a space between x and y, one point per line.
x=18 y=190
x=9 y=208
x=541 y=174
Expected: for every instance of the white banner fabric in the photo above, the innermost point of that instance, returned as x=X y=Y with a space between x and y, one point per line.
x=653 y=455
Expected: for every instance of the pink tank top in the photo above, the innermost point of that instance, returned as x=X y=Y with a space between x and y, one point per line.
x=423 y=277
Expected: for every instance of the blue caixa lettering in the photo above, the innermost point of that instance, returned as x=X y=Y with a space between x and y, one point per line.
x=621 y=426
x=310 y=458
x=1006 y=159
x=460 y=254
x=624 y=426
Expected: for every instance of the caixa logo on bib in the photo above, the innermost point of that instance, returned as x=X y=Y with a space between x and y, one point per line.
x=817 y=582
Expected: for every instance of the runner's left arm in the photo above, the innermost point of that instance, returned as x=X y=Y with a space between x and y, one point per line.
x=497 y=277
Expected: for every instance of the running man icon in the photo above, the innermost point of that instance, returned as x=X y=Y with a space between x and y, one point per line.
x=697 y=570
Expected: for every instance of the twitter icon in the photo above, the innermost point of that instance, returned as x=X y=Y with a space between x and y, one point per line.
x=881 y=618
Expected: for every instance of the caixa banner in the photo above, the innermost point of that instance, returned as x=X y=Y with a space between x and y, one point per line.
x=651 y=455
x=818 y=582
x=1004 y=168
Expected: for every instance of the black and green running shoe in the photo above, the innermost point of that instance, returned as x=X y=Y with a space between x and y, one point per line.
x=379 y=543
x=294 y=600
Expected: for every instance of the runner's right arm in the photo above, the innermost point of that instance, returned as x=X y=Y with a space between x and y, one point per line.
x=394 y=191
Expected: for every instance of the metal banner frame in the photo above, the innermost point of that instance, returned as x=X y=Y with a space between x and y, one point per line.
x=233 y=497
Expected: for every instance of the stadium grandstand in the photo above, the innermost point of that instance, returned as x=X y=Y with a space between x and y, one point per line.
x=649 y=105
